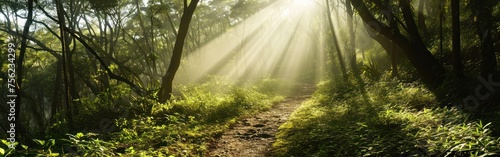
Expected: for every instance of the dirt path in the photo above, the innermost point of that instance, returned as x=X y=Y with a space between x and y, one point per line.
x=254 y=136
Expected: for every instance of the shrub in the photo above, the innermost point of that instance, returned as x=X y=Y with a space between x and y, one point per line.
x=185 y=125
x=389 y=118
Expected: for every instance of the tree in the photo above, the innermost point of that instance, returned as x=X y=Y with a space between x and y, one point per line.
x=165 y=91
x=20 y=70
x=65 y=57
x=441 y=28
x=335 y=41
x=455 y=18
x=352 y=37
x=421 y=18
x=389 y=47
x=483 y=20
x=429 y=69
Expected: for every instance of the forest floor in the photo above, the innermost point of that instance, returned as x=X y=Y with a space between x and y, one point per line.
x=254 y=135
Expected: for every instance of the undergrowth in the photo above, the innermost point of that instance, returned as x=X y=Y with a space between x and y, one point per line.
x=385 y=118
x=185 y=126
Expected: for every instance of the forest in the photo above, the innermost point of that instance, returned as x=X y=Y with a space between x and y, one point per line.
x=244 y=78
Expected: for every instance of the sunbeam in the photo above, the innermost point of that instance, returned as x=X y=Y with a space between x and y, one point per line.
x=281 y=41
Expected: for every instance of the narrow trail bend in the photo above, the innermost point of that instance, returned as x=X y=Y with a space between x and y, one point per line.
x=253 y=136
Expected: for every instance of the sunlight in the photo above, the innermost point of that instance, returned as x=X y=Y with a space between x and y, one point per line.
x=281 y=40
x=306 y=3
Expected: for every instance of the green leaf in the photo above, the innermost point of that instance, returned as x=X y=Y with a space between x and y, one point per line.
x=2 y=151
x=79 y=135
x=39 y=142
x=52 y=142
x=5 y=142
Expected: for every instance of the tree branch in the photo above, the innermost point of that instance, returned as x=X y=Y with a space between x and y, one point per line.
x=103 y=64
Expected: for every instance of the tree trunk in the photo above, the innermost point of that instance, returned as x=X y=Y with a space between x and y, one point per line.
x=56 y=99
x=148 y=47
x=389 y=47
x=455 y=22
x=394 y=61
x=336 y=42
x=352 y=37
x=484 y=25
x=65 y=50
x=165 y=91
x=71 y=78
x=22 y=52
x=441 y=28
x=421 y=19
x=429 y=69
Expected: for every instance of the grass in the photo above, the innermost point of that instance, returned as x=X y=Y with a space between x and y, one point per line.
x=185 y=126
x=188 y=124
x=387 y=118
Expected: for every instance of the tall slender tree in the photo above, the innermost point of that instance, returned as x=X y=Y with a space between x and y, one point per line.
x=335 y=41
x=165 y=91
x=455 y=22
x=20 y=71
x=441 y=3
x=483 y=20
x=65 y=49
x=352 y=37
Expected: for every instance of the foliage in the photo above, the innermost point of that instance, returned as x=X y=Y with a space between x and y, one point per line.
x=76 y=145
x=389 y=118
x=134 y=40
x=87 y=145
x=371 y=71
x=5 y=150
x=184 y=126
x=270 y=86
x=187 y=124
x=110 y=104
x=45 y=147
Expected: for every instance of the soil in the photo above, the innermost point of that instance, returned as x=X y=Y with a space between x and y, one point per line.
x=253 y=136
